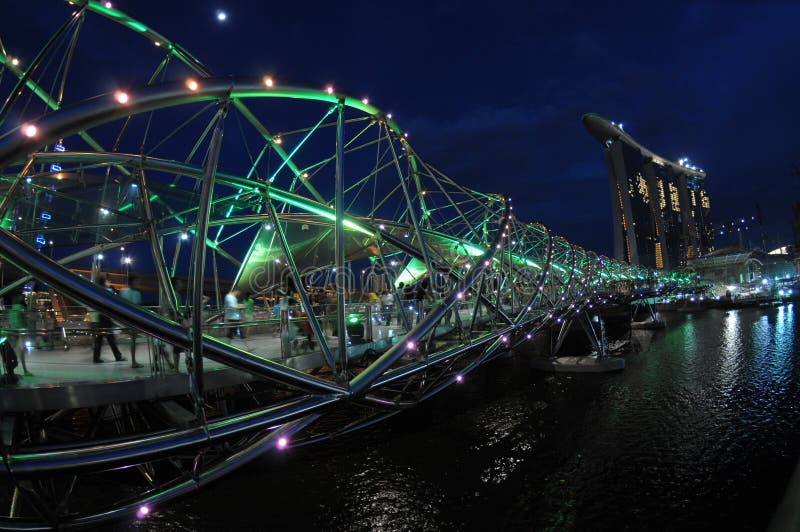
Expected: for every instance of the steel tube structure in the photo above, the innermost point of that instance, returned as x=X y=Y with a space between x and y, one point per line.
x=360 y=383
x=338 y=244
x=503 y=279
x=201 y=230
x=120 y=453
x=318 y=332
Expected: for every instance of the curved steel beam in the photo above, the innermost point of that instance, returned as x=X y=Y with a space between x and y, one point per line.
x=107 y=455
x=105 y=108
x=360 y=384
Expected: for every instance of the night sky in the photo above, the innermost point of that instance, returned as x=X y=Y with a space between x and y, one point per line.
x=493 y=93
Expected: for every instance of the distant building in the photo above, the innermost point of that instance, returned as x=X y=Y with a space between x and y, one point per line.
x=796 y=231
x=733 y=270
x=661 y=209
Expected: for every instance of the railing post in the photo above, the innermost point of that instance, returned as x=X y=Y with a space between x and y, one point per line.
x=201 y=230
x=368 y=332
x=341 y=276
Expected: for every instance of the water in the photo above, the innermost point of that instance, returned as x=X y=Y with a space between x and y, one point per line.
x=699 y=432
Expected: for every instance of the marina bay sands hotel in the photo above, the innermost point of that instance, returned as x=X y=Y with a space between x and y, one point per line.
x=661 y=209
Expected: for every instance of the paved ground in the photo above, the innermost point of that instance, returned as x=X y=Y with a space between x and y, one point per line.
x=59 y=366
x=50 y=366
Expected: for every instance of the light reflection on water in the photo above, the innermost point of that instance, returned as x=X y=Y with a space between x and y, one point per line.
x=785 y=347
x=700 y=432
x=730 y=351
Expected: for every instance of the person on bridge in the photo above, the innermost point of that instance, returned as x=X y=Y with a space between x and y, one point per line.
x=17 y=325
x=387 y=301
x=249 y=307
x=233 y=313
x=132 y=294
x=101 y=326
x=422 y=293
x=407 y=302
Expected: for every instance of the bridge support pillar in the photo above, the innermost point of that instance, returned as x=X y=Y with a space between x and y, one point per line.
x=596 y=362
x=651 y=322
x=596 y=336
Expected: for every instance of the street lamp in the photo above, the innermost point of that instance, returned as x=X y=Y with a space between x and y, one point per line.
x=127 y=261
x=97 y=266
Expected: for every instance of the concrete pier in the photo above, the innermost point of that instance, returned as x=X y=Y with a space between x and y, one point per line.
x=578 y=364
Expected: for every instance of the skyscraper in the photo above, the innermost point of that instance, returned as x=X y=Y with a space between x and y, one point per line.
x=661 y=208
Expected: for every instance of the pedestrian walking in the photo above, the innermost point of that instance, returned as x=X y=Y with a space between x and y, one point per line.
x=101 y=327
x=132 y=294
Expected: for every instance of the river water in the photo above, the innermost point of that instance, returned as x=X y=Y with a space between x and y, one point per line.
x=699 y=432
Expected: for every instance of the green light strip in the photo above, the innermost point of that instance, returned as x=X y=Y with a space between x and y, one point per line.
x=51 y=103
x=128 y=206
x=155 y=37
x=318 y=209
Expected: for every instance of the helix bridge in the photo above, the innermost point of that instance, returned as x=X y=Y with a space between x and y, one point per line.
x=304 y=197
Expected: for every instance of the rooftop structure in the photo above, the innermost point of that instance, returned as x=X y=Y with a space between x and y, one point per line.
x=734 y=271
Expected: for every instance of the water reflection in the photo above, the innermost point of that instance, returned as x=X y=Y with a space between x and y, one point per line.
x=730 y=351
x=384 y=495
x=784 y=344
x=689 y=337
x=779 y=353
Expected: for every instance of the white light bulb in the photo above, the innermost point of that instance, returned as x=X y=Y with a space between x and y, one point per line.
x=121 y=97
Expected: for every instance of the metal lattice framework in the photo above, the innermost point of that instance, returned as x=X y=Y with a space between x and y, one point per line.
x=271 y=186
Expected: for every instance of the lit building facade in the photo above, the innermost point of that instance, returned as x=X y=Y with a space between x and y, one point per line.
x=661 y=209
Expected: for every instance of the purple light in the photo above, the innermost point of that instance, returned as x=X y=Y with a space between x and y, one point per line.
x=283 y=442
x=411 y=346
x=459 y=378
x=143 y=511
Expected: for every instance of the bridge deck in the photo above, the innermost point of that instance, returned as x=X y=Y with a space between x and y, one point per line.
x=69 y=378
